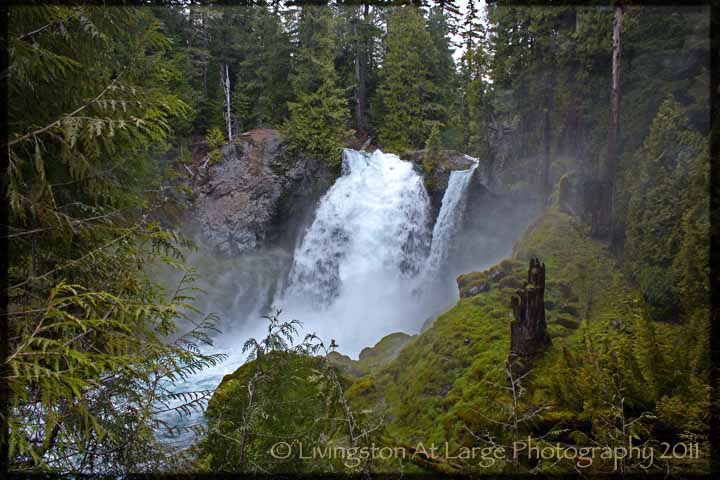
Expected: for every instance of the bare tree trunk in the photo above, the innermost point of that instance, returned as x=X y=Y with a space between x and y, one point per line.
x=516 y=420
x=603 y=218
x=346 y=408
x=614 y=113
x=225 y=77
x=360 y=74
x=528 y=331
x=614 y=96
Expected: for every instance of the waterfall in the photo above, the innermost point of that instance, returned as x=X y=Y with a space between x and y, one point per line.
x=372 y=224
x=353 y=272
x=449 y=219
x=363 y=265
x=367 y=266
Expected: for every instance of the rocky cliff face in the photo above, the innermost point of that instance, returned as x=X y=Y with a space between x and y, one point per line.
x=257 y=194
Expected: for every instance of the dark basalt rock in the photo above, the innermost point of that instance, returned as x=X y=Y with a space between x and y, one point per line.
x=257 y=194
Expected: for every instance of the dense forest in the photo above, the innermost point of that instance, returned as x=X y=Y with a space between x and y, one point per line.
x=598 y=116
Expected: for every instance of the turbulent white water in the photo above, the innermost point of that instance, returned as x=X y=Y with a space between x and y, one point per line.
x=353 y=274
x=366 y=266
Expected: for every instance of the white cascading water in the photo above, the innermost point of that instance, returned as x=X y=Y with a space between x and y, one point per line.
x=364 y=268
x=352 y=274
x=449 y=219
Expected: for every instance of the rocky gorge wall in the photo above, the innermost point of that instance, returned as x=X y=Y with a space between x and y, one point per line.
x=257 y=194
x=252 y=201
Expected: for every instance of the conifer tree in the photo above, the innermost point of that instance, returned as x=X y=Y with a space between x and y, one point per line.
x=319 y=115
x=407 y=93
x=440 y=61
x=90 y=359
x=261 y=86
x=451 y=11
x=475 y=106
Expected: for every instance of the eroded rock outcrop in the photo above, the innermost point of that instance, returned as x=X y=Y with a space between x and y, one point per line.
x=256 y=193
x=436 y=169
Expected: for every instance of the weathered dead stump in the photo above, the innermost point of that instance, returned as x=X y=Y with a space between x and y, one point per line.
x=528 y=331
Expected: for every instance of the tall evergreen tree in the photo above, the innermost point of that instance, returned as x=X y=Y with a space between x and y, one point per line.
x=408 y=96
x=261 y=86
x=319 y=116
x=474 y=89
x=440 y=61
x=90 y=354
x=451 y=11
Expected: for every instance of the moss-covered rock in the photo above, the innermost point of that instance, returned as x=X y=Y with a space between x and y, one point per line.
x=370 y=358
x=383 y=352
x=296 y=402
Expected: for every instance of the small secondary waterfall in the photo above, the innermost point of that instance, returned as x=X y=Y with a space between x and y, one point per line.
x=449 y=218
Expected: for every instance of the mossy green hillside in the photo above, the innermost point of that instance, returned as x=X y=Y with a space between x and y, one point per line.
x=446 y=384
x=371 y=358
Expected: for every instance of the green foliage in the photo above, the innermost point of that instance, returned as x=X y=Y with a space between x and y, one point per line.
x=447 y=383
x=95 y=344
x=317 y=124
x=281 y=395
x=550 y=57
x=262 y=47
x=99 y=96
x=432 y=145
x=296 y=403
x=214 y=139
x=318 y=119
x=661 y=229
x=406 y=91
x=440 y=60
x=371 y=358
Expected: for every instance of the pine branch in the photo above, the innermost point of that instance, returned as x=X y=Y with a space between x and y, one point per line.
x=57 y=122
x=77 y=260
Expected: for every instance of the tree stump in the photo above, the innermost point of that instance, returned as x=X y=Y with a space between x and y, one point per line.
x=528 y=331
